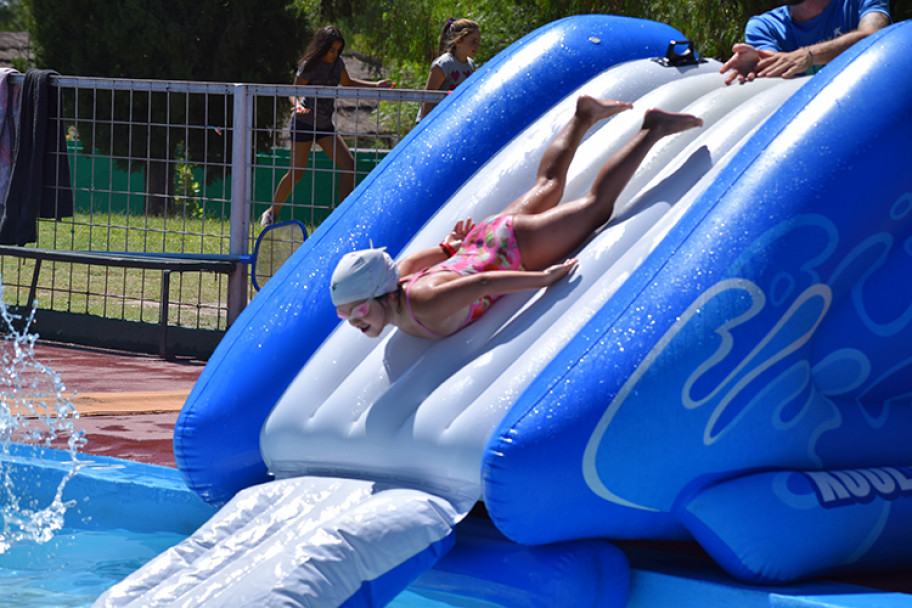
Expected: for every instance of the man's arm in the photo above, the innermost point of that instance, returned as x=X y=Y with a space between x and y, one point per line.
x=825 y=52
x=748 y=62
x=796 y=63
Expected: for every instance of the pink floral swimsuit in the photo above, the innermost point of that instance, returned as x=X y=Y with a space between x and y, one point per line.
x=491 y=245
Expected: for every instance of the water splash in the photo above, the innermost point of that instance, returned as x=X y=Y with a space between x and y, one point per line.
x=33 y=412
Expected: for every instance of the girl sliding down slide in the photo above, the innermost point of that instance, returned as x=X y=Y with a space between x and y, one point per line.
x=438 y=291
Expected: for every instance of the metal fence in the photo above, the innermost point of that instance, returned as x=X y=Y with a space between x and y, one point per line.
x=185 y=168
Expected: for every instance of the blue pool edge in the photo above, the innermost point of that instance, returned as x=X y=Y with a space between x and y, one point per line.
x=112 y=493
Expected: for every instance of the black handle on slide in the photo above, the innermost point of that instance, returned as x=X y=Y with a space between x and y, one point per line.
x=673 y=58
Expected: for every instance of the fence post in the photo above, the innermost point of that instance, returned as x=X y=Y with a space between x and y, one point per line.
x=242 y=125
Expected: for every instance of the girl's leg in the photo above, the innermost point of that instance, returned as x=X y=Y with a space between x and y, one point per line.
x=300 y=153
x=338 y=151
x=555 y=162
x=550 y=237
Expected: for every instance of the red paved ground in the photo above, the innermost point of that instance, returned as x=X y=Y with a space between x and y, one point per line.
x=92 y=370
x=140 y=437
x=136 y=385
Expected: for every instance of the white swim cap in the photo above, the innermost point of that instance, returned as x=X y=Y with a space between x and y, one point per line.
x=364 y=274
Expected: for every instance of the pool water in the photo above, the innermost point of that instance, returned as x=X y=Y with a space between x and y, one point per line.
x=437 y=599
x=76 y=566
x=44 y=565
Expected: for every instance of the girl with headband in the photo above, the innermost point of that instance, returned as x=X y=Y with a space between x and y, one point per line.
x=458 y=45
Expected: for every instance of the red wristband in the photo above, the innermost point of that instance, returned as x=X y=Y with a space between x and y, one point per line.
x=447 y=249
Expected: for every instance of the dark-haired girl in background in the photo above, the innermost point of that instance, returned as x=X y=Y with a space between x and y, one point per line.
x=321 y=65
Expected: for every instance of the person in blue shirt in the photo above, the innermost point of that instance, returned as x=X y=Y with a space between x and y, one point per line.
x=801 y=36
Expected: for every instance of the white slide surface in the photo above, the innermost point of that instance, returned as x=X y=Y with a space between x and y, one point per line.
x=421 y=411
x=377 y=444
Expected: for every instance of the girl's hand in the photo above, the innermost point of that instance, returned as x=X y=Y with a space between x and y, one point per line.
x=459 y=232
x=298 y=106
x=386 y=83
x=558 y=271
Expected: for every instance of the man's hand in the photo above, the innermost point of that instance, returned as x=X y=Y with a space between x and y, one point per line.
x=742 y=65
x=786 y=65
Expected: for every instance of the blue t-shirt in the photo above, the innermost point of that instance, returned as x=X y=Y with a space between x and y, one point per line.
x=776 y=31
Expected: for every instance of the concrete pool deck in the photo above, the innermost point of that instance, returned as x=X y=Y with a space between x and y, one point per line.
x=128 y=404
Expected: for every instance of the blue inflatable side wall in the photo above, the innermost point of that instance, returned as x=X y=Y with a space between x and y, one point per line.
x=497 y=572
x=750 y=384
x=217 y=434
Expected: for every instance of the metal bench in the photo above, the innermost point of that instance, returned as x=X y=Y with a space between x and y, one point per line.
x=167 y=263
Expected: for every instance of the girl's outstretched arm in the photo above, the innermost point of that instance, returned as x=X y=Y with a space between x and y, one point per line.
x=348 y=81
x=450 y=297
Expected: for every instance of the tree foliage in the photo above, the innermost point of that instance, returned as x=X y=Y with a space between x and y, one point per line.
x=204 y=40
x=220 y=40
x=260 y=41
x=404 y=32
x=13 y=17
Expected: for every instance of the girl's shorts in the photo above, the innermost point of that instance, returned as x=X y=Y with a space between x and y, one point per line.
x=303 y=129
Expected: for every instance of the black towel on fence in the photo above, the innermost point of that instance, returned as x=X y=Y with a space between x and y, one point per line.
x=40 y=176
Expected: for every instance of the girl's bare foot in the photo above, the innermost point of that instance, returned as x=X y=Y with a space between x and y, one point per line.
x=667 y=123
x=592 y=109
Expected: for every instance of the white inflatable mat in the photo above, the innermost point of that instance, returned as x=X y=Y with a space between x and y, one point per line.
x=307 y=541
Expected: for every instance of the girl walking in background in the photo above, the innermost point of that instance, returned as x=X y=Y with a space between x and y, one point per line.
x=459 y=42
x=321 y=65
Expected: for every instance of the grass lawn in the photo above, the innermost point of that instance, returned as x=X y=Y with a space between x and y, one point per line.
x=197 y=299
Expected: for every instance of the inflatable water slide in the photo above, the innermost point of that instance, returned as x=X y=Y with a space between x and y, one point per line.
x=729 y=362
